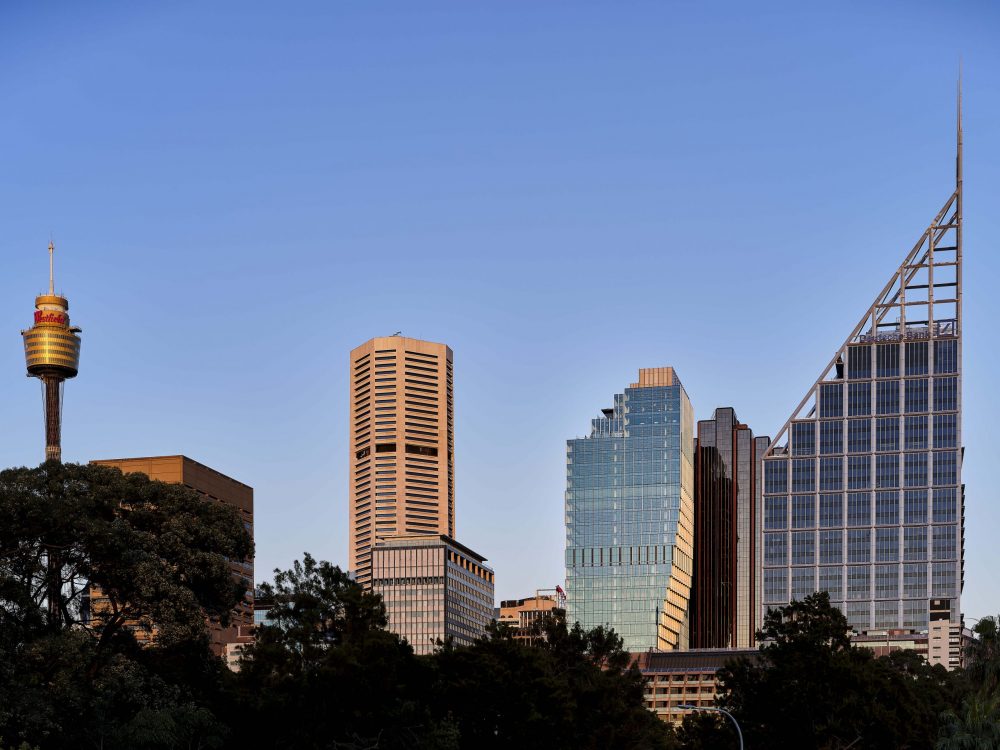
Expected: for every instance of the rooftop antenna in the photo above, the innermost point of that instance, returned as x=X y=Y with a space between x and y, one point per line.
x=52 y=281
x=958 y=157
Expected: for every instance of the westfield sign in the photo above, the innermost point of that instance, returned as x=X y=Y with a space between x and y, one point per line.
x=42 y=316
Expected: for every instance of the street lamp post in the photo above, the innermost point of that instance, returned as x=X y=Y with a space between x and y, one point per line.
x=739 y=732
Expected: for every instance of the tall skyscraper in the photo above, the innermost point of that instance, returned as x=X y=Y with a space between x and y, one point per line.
x=215 y=487
x=629 y=515
x=52 y=354
x=863 y=493
x=402 y=478
x=724 y=601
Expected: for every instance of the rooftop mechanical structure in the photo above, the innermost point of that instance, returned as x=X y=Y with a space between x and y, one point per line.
x=52 y=354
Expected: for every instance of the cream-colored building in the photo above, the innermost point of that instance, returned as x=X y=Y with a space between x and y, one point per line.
x=402 y=442
x=215 y=487
x=522 y=615
x=434 y=589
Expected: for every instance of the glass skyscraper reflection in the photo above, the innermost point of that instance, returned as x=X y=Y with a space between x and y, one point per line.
x=629 y=515
x=863 y=494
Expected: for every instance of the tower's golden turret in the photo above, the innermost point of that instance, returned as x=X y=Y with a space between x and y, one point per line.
x=52 y=354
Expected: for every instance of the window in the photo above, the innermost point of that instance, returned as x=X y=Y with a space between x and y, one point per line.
x=945 y=431
x=914 y=543
x=859 y=362
x=887 y=397
x=887 y=434
x=803 y=438
x=803 y=511
x=915 y=434
x=776 y=475
x=946 y=355
x=887 y=614
x=831 y=400
x=831 y=580
x=915 y=506
x=915 y=582
x=945 y=394
x=887 y=356
x=943 y=579
x=859 y=434
x=803 y=582
x=776 y=586
x=385 y=447
x=859 y=509
x=945 y=467
x=831 y=510
x=886 y=508
x=859 y=545
x=916 y=358
x=886 y=581
x=914 y=469
x=803 y=548
x=803 y=475
x=831 y=437
x=915 y=395
x=775 y=549
x=858 y=582
x=887 y=470
x=831 y=473
x=831 y=547
x=859 y=399
x=421 y=450
x=859 y=475
x=776 y=512
x=945 y=507
x=945 y=545
x=887 y=544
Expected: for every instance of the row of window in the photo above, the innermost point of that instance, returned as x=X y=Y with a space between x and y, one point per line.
x=938 y=468
x=889 y=507
x=916 y=359
x=891 y=434
x=860 y=582
x=856 y=545
x=887 y=395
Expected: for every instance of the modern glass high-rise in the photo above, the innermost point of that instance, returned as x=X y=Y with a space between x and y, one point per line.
x=863 y=493
x=724 y=593
x=629 y=515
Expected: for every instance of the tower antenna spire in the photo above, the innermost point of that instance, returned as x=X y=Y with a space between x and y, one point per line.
x=52 y=277
x=958 y=154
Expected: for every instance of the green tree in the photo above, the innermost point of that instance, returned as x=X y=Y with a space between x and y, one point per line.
x=72 y=674
x=325 y=673
x=573 y=689
x=808 y=688
x=976 y=727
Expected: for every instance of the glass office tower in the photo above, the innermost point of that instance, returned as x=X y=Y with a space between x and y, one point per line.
x=724 y=597
x=629 y=515
x=863 y=494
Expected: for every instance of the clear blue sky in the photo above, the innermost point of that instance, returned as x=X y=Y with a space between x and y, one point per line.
x=563 y=192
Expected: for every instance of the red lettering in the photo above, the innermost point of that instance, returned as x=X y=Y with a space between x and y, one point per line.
x=49 y=317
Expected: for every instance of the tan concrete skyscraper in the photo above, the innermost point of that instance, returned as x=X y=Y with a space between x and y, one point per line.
x=402 y=431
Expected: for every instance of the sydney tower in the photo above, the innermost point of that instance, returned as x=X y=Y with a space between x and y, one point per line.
x=52 y=353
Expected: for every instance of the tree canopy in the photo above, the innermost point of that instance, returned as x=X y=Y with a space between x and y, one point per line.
x=71 y=676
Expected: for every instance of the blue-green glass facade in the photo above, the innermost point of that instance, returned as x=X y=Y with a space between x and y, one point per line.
x=629 y=488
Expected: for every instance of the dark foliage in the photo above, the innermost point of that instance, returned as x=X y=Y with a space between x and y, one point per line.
x=811 y=689
x=158 y=554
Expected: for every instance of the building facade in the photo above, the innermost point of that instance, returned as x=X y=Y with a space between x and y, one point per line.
x=863 y=494
x=434 y=589
x=524 y=615
x=402 y=442
x=724 y=603
x=629 y=515
x=684 y=678
x=215 y=487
